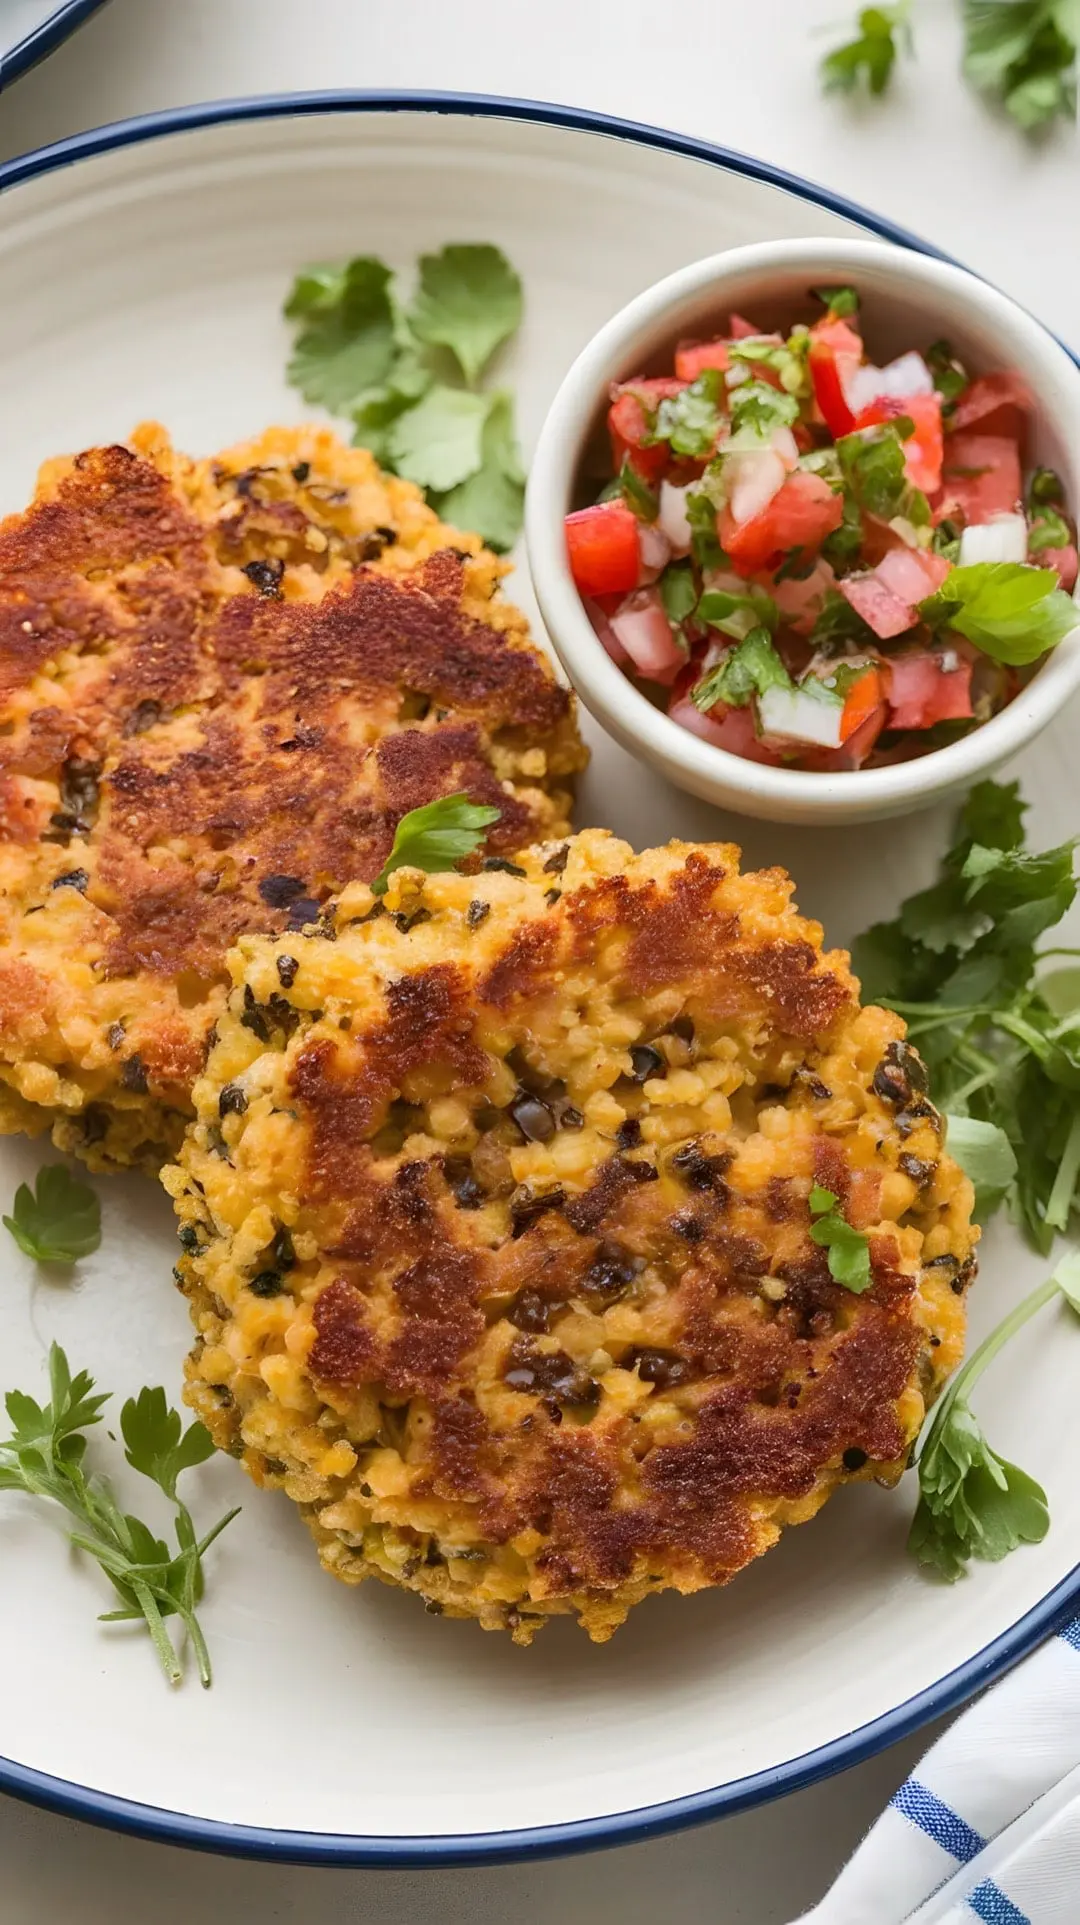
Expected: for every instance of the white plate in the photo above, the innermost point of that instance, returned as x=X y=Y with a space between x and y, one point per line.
x=31 y=29
x=146 y=279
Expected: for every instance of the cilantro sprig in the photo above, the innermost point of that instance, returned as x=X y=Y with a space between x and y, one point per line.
x=973 y=1503
x=1023 y=52
x=409 y=375
x=747 y=670
x=59 y=1220
x=870 y=55
x=999 y=1035
x=848 y=1248
x=45 y=1457
x=436 y=837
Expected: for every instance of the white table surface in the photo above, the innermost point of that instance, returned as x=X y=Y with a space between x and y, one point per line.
x=742 y=73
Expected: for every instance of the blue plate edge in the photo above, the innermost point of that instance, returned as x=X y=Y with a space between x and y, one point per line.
x=45 y=38
x=348 y=1849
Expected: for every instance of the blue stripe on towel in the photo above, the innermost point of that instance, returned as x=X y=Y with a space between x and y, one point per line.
x=945 y=1827
x=989 y=1903
x=1071 y=1633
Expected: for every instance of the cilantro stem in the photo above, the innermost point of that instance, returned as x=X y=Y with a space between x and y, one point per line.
x=970 y=1372
x=1059 y=1202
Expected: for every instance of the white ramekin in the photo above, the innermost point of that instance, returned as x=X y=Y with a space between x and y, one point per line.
x=908 y=300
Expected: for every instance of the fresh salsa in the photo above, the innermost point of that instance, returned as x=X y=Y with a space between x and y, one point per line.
x=826 y=564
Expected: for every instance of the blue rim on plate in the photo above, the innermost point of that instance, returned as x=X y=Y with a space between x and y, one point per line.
x=45 y=38
x=650 y=1821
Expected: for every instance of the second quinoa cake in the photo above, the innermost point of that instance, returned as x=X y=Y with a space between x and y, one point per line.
x=222 y=683
x=496 y=1227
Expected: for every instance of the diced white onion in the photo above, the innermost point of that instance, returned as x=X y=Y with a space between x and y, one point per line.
x=1004 y=538
x=905 y=376
x=799 y=717
x=784 y=444
x=751 y=481
x=655 y=550
x=737 y=374
x=673 y=519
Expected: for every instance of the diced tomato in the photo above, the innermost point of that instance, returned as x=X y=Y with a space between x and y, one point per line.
x=922 y=691
x=912 y=573
x=884 y=611
x=633 y=404
x=740 y=329
x=800 y=516
x=726 y=728
x=924 y=449
x=800 y=602
x=853 y=751
x=640 y=625
x=693 y=357
x=604 y=550
x=980 y=478
x=996 y=404
x=835 y=352
x=865 y=696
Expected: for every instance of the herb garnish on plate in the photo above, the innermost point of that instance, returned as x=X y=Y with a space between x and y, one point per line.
x=59 y=1220
x=45 y=1457
x=409 y=375
x=436 y=836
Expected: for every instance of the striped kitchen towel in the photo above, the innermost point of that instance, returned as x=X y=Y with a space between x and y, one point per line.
x=989 y=1826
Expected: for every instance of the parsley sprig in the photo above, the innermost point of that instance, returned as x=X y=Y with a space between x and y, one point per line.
x=59 y=1220
x=45 y=1457
x=1000 y=1038
x=436 y=837
x=409 y=375
x=973 y=1503
x=848 y=1248
x=870 y=55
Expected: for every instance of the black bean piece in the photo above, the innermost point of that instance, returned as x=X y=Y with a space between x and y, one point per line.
x=916 y=1112
x=917 y=1168
x=279 y=891
x=142 y=717
x=386 y=535
x=532 y=1311
x=527 y=1205
x=282 y=1250
x=460 y=1179
x=642 y=1172
x=268 y=1283
x=549 y=1372
x=500 y=863
x=570 y=1118
x=266 y=577
x=79 y=789
x=287 y=967
x=690 y=1228
x=114 y=1035
x=854 y=1459
x=301 y=471
x=907 y=1058
x=698 y=1171
x=628 y=1134
x=557 y=861
x=189 y=1237
x=231 y=1100
x=477 y=912
x=74 y=879
x=552 y=896
x=533 y=1118
x=304 y=910
x=133 y=1075
x=255 y=1020
x=890 y=1083
x=660 y=1367
x=95 y=1123
x=647 y=1062
x=611 y=1274
x=683 y=1027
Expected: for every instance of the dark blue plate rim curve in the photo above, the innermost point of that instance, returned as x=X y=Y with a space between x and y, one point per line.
x=650 y=1821
x=45 y=38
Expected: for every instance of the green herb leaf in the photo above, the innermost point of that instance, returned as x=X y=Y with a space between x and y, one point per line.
x=745 y=671
x=1012 y=611
x=704 y=540
x=44 y=1458
x=1048 y=529
x=439 y=442
x=678 y=592
x=736 y=614
x=872 y=465
x=1024 y=51
x=58 y=1221
x=848 y=1248
x=470 y=301
x=637 y=493
x=871 y=55
x=347 y=342
x=690 y=421
x=950 y=376
x=841 y=302
x=491 y=501
x=985 y=1154
x=789 y=359
x=436 y=837
x=762 y=408
x=1045 y=487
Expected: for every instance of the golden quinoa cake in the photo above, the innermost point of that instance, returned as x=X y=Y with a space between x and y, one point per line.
x=222 y=683
x=495 y=1229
